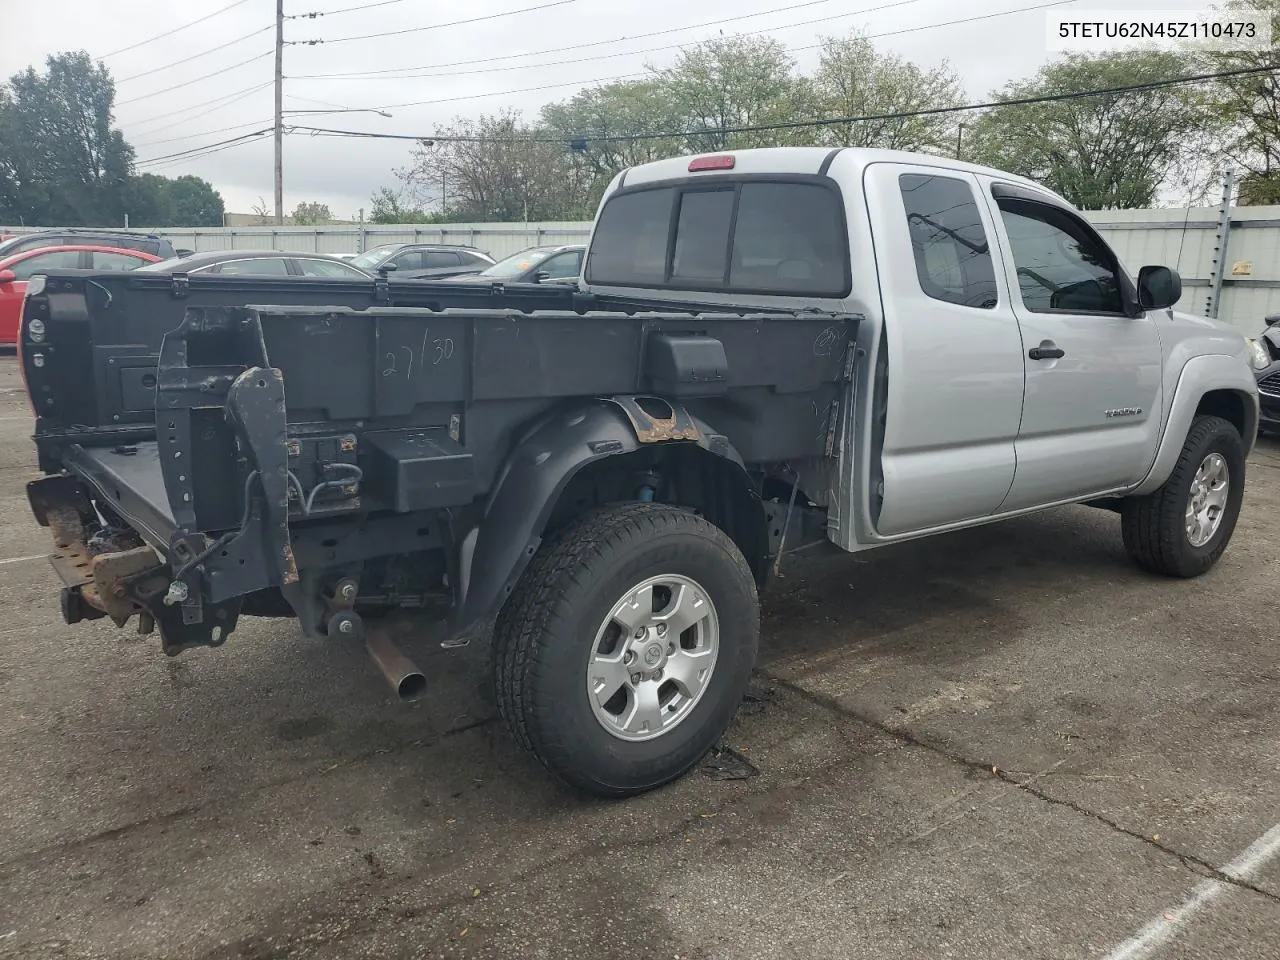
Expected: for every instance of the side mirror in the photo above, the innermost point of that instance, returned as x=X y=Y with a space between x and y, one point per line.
x=384 y=268
x=1273 y=320
x=7 y=276
x=1158 y=288
x=541 y=276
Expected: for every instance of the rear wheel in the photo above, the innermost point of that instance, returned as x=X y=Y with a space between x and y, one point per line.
x=1182 y=529
x=625 y=650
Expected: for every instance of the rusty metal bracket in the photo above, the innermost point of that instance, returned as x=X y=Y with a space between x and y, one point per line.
x=59 y=493
x=113 y=573
x=653 y=428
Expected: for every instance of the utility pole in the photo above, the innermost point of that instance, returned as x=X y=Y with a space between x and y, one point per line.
x=279 y=132
x=959 y=139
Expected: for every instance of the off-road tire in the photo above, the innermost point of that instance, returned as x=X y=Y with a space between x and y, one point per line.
x=1154 y=525
x=544 y=635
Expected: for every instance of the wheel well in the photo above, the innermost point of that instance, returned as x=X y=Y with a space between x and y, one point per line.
x=1226 y=404
x=680 y=474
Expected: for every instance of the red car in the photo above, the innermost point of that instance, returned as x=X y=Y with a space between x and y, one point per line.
x=17 y=269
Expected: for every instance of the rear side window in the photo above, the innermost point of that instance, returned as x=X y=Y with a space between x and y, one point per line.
x=327 y=268
x=630 y=243
x=753 y=237
x=54 y=259
x=440 y=258
x=115 y=261
x=254 y=267
x=953 y=259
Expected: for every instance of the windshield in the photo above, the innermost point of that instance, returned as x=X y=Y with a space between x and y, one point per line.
x=517 y=263
x=375 y=256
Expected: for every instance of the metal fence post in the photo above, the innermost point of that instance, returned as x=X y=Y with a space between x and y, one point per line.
x=1218 y=266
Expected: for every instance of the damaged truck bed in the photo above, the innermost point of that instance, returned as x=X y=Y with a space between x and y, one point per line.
x=219 y=447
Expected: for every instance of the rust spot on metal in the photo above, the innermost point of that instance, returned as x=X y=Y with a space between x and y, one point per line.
x=66 y=526
x=289 y=573
x=295 y=448
x=348 y=444
x=113 y=573
x=651 y=425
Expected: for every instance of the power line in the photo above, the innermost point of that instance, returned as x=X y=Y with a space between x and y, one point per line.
x=186 y=154
x=169 y=164
x=505 y=93
x=800 y=124
x=370 y=74
x=194 y=56
x=202 y=133
x=634 y=75
x=437 y=26
x=330 y=13
x=226 y=100
x=186 y=83
x=169 y=33
x=677 y=46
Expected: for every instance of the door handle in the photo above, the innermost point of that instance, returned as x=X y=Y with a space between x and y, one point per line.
x=1048 y=350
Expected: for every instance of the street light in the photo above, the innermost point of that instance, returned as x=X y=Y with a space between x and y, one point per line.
x=381 y=113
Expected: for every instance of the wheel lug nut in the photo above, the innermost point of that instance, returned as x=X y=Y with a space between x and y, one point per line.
x=662 y=629
x=635 y=678
x=671 y=648
x=640 y=634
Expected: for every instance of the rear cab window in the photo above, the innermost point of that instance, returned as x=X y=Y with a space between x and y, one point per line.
x=776 y=236
x=952 y=255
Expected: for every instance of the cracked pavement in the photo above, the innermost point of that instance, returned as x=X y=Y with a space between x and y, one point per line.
x=1002 y=743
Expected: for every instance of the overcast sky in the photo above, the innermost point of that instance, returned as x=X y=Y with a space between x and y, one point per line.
x=343 y=173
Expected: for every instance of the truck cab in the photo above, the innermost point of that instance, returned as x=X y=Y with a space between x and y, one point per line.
x=1007 y=361
x=767 y=351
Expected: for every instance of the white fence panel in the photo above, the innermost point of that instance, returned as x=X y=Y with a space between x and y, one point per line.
x=1186 y=239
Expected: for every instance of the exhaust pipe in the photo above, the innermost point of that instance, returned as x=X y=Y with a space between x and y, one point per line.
x=405 y=678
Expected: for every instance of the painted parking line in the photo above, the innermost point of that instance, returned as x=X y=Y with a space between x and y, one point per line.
x=38 y=556
x=1146 y=941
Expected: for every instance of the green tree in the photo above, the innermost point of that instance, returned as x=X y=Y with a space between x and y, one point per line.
x=1248 y=106
x=148 y=201
x=494 y=168
x=588 y=123
x=310 y=213
x=853 y=79
x=65 y=163
x=1109 y=151
x=196 y=203
x=733 y=82
x=388 y=206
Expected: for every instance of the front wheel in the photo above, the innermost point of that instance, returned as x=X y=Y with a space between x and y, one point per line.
x=1182 y=529
x=627 y=646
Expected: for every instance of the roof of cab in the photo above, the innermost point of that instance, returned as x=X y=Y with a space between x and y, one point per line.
x=846 y=161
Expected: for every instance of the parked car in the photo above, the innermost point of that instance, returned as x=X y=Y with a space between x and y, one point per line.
x=770 y=350
x=424 y=261
x=149 y=243
x=534 y=265
x=16 y=269
x=1266 y=366
x=261 y=263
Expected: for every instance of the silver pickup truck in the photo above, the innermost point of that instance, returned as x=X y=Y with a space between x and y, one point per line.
x=767 y=351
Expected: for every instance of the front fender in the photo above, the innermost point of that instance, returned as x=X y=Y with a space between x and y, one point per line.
x=1200 y=375
x=494 y=554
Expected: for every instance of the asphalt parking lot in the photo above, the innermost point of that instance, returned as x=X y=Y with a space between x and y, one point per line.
x=1004 y=743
